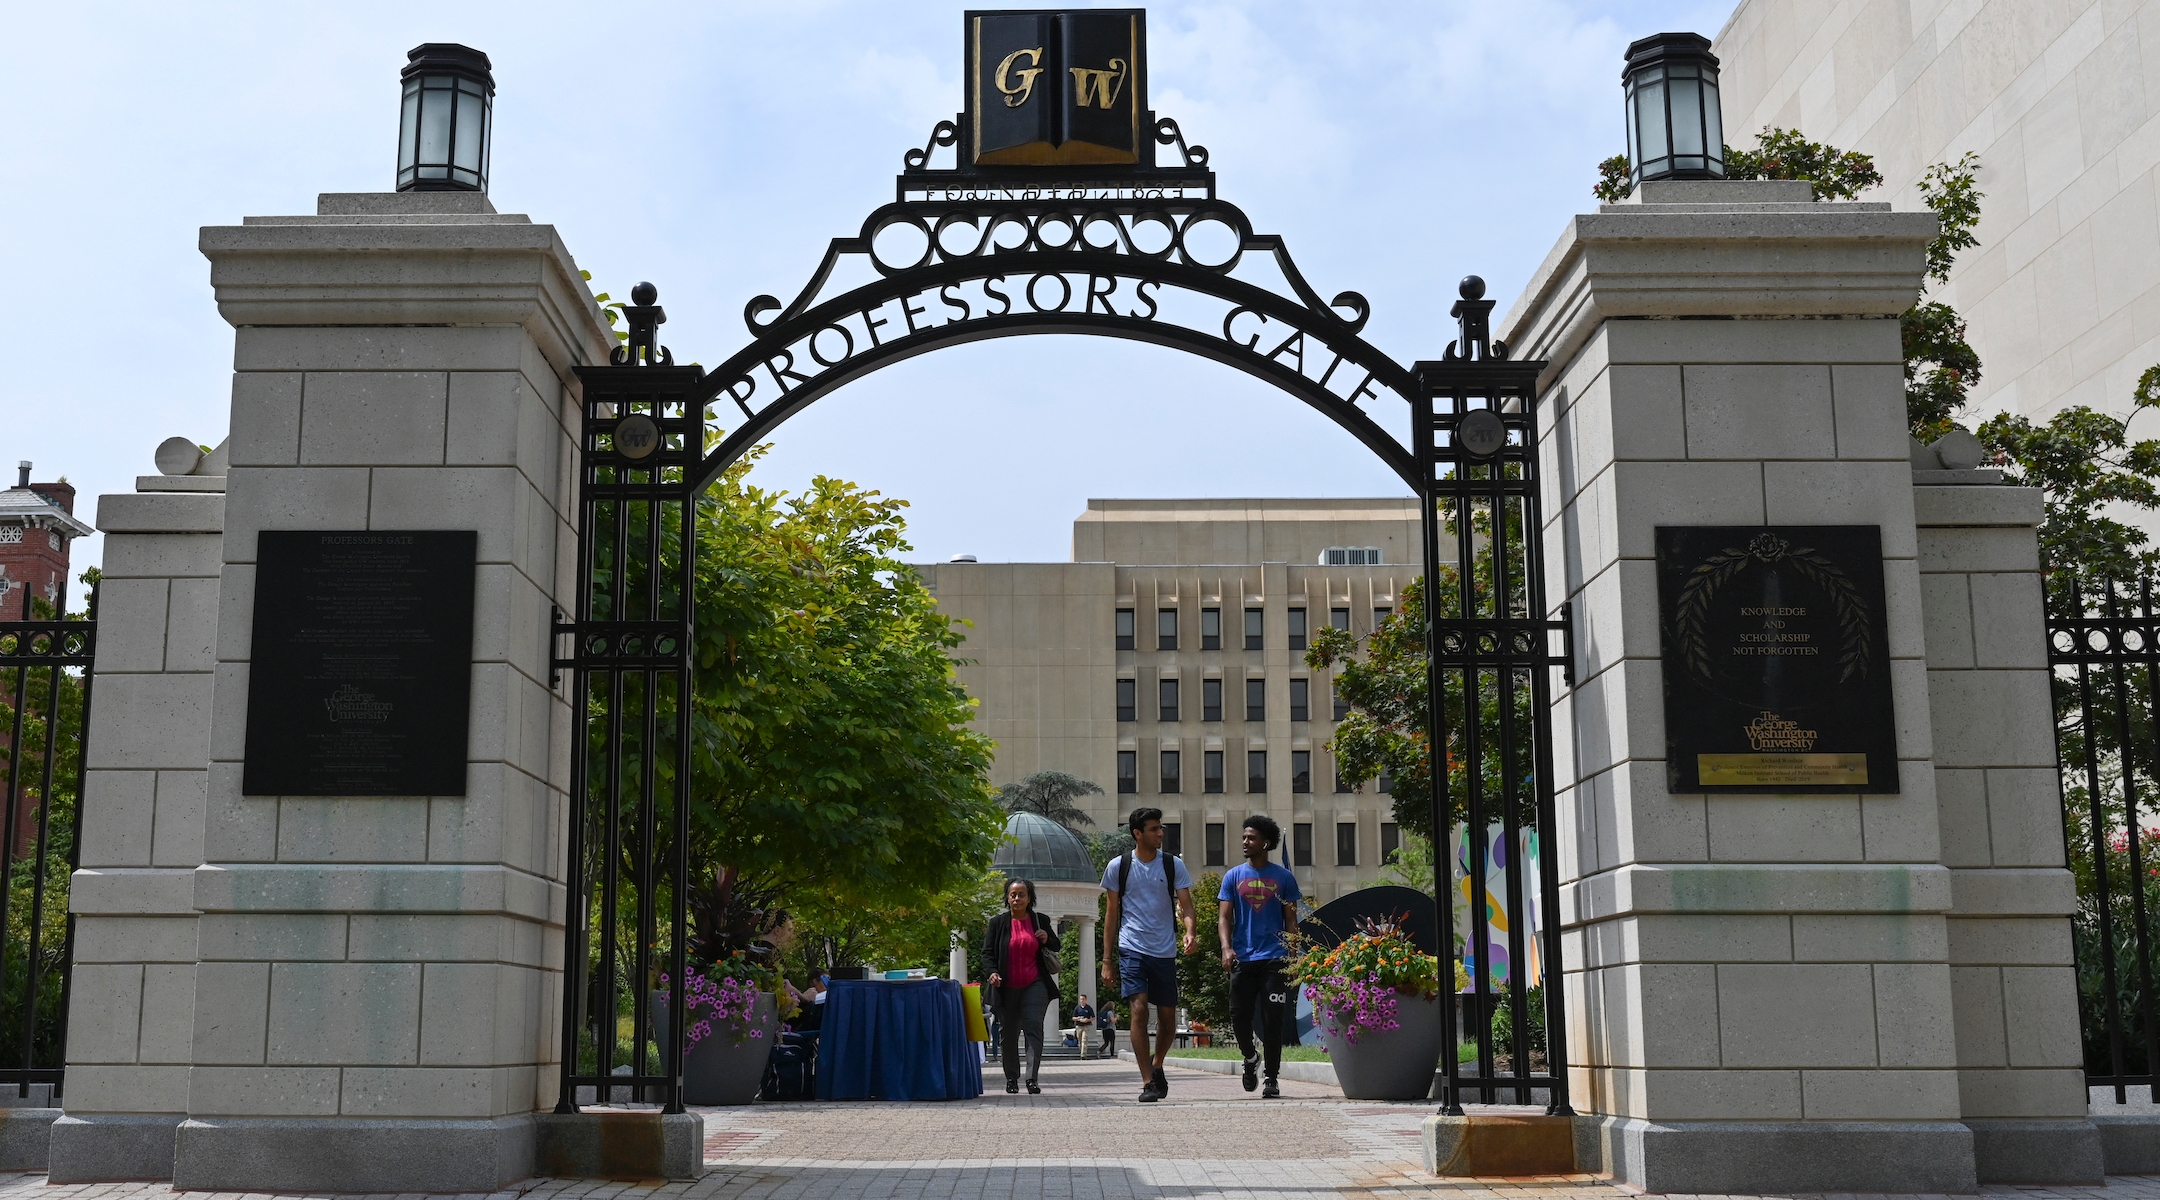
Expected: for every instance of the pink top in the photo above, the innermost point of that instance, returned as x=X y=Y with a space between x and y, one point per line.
x=1021 y=954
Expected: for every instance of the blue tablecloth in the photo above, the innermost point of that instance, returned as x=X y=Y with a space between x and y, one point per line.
x=902 y=1040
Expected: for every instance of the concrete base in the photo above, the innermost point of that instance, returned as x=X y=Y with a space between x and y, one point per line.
x=2064 y=1150
x=352 y=1154
x=621 y=1145
x=25 y=1134
x=106 y=1148
x=1761 y=1157
x=2129 y=1140
x=1522 y=1142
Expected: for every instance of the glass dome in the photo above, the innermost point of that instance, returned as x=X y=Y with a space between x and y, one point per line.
x=1040 y=849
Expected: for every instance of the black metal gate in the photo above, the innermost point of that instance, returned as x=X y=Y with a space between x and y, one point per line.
x=1490 y=694
x=1097 y=250
x=45 y=677
x=2104 y=648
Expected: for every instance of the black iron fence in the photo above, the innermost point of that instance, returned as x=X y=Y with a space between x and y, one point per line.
x=2104 y=648
x=45 y=664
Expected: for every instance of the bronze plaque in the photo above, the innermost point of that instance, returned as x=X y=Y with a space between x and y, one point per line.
x=1777 y=659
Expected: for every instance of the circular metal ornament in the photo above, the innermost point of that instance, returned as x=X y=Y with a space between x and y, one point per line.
x=1481 y=432
x=636 y=437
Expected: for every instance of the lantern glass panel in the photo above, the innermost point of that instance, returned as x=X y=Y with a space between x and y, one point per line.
x=435 y=127
x=1714 y=124
x=1687 y=121
x=1650 y=111
x=470 y=123
x=408 y=131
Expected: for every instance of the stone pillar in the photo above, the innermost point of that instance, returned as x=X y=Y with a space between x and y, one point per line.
x=132 y=999
x=2021 y=1071
x=1760 y=988
x=376 y=1006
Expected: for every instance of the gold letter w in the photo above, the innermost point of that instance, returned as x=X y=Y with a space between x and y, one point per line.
x=1101 y=86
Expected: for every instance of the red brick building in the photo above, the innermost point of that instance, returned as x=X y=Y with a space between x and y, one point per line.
x=37 y=524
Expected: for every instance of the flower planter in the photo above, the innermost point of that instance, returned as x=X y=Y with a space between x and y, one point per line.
x=1397 y=1064
x=719 y=1070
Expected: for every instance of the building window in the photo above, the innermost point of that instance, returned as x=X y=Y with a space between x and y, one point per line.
x=1350 y=556
x=1386 y=786
x=1211 y=629
x=1214 y=844
x=1211 y=699
x=1300 y=699
x=1380 y=616
x=1339 y=618
x=1256 y=770
x=1301 y=770
x=1301 y=844
x=1173 y=838
x=1211 y=770
x=1342 y=706
x=1390 y=841
x=1124 y=629
x=1128 y=699
x=1255 y=629
x=1342 y=783
x=1166 y=629
x=1170 y=772
x=1166 y=699
x=1256 y=699
x=1346 y=843
x=1297 y=629
x=1128 y=771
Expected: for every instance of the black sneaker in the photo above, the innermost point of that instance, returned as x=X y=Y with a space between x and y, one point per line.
x=1147 y=1093
x=1162 y=1083
x=1271 y=1092
x=1252 y=1072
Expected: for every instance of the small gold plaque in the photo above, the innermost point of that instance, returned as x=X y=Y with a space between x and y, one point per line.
x=1773 y=770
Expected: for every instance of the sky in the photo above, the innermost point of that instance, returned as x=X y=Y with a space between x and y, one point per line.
x=715 y=149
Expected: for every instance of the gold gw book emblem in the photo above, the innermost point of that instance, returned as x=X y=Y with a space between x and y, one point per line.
x=1049 y=89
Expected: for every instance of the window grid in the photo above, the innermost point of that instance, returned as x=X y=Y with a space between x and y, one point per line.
x=1124 y=629
x=1215 y=844
x=1211 y=771
x=1128 y=699
x=1390 y=842
x=1128 y=771
x=1211 y=699
x=1301 y=844
x=1301 y=770
x=1166 y=629
x=1256 y=770
x=1380 y=616
x=1256 y=699
x=1170 y=781
x=1255 y=629
x=1342 y=706
x=1339 y=618
x=1211 y=629
x=1300 y=700
x=1174 y=838
x=1166 y=697
x=1346 y=843
x=1297 y=629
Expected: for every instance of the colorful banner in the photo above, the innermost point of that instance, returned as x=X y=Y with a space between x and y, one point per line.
x=1492 y=947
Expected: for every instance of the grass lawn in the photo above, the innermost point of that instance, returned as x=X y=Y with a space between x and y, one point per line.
x=1289 y=1053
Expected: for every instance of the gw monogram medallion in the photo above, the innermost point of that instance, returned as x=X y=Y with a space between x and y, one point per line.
x=1050 y=89
x=1776 y=659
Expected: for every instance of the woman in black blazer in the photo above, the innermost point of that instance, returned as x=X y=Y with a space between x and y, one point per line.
x=1020 y=987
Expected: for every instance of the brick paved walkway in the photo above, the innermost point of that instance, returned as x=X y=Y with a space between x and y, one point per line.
x=1084 y=1138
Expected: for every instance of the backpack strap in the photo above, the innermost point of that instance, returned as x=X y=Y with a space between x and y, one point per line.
x=1169 y=874
x=1124 y=871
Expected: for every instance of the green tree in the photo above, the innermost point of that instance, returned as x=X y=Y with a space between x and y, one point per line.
x=1203 y=985
x=1051 y=794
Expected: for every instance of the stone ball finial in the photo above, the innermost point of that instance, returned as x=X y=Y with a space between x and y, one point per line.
x=1472 y=288
x=644 y=295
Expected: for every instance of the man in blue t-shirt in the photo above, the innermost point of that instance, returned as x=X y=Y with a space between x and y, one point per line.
x=1149 y=890
x=1258 y=902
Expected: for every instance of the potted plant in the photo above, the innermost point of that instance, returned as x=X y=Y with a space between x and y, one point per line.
x=1376 y=999
x=731 y=1023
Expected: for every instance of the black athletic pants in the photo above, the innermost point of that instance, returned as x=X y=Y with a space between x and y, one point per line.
x=1261 y=985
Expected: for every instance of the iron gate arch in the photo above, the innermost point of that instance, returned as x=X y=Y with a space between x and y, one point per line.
x=1106 y=238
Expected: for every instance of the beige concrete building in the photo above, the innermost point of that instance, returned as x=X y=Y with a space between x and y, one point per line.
x=1166 y=663
x=2058 y=97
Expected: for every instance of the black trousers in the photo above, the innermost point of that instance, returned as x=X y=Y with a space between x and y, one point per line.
x=1020 y=1023
x=1260 y=989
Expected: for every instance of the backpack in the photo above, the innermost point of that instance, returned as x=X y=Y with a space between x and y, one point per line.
x=1169 y=875
x=791 y=1070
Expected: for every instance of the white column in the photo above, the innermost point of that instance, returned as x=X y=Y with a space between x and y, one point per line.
x=382 y=1011
x=1756 y=985
x=956 y=959
x=1089 y=981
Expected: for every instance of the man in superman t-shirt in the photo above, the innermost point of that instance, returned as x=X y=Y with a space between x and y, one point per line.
x=1258 y=901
